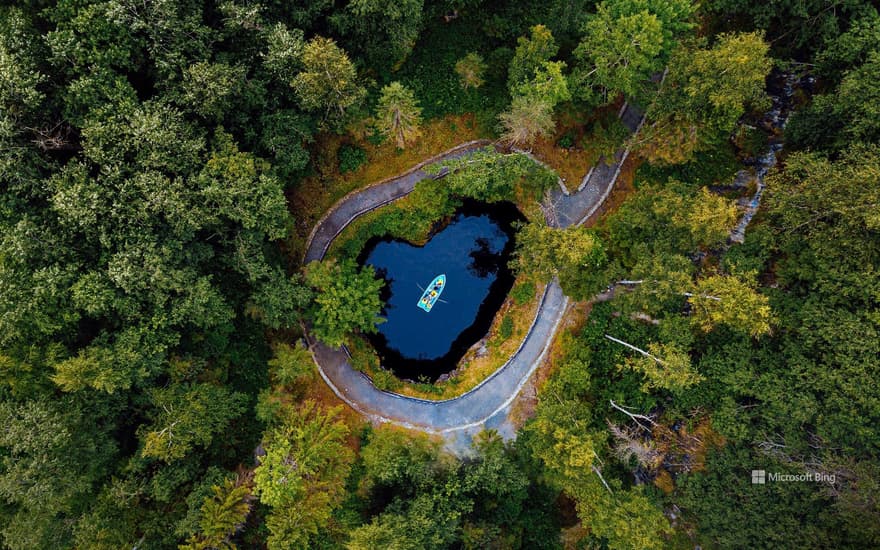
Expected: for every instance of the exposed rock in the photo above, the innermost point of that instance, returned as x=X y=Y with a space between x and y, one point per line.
x=483 y=349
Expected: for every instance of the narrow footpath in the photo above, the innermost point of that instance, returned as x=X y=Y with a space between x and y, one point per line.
x=488 y=404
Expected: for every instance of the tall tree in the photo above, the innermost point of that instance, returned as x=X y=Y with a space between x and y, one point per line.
x=731 y=300
x=575 y=255
x=398 y=114
x=328 y=84
x=625 y=42
x=188 y=416
x=618 y=54
x=302 y=475
x=705 y=92
x=665 y=366
x=284 y=51
x=222 y=515
x=531 y=53
x=526 y=121
x=347 y=300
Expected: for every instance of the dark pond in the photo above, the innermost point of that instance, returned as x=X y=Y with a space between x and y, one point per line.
x=473 y=251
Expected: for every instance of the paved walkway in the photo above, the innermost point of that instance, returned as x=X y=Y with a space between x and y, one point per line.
x=487 y=405
x=359 y=202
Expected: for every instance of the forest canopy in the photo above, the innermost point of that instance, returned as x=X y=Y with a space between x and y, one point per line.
x=163 y=164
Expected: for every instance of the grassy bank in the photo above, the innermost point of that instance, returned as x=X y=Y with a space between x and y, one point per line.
x=510 y=326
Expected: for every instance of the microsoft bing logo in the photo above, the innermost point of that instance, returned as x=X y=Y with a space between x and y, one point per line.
x=759 y=477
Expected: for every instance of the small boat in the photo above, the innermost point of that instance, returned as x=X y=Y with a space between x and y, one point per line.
x=432 y=293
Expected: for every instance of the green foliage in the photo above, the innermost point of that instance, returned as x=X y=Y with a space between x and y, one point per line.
x=850 y=48
x=328 y=84
x=188 y=416
x=706 y=91
x=421 y=498
x=53 y=453
x=505 y=328
x=398 y=114
x=430 y=71
x=208 y=87
x=291 y=366
x=730 y=300
x=347 y=300
x=849 y=115
x=617 y=55
x=490 y=176
x=665 y=366
x=575 y=255
x=145 y=148
x=384 y=33
x=301 y=477
x=796 y=26
x=624 y=43
x=523 y=292
x=531 y=54
x=731 y=512
x=283 y=56
x=385 y=380
x=395 y=459
x=222 y=514
x=283 y=137
x=526 y=121
x=470 y=69
x=608 y=136
x=671 y=219
x=351 y=157
x=412 y=218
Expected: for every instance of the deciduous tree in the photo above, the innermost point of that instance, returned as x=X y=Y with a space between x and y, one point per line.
x=186 y=416
x=575 y=255
x=328 y=84
x=302 y=475
x=346 y=300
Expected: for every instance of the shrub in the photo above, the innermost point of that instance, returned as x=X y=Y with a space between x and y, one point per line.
x=351 y=157
x=567 y=140
x=608 y=135
x=523 y=292
x=385 y=380
x=505 y=329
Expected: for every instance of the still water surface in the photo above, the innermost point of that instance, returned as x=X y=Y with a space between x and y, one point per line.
x=473 y=250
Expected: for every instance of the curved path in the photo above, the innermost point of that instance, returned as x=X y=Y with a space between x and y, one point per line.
x=488 y=403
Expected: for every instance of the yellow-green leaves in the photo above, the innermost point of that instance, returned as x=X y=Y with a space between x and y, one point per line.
x=302 y=475
x=732 y=301
x=665 y=366
x=328 y=84
x=575 y=255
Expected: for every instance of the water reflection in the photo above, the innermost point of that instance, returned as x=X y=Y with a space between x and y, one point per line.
x=473 y=250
